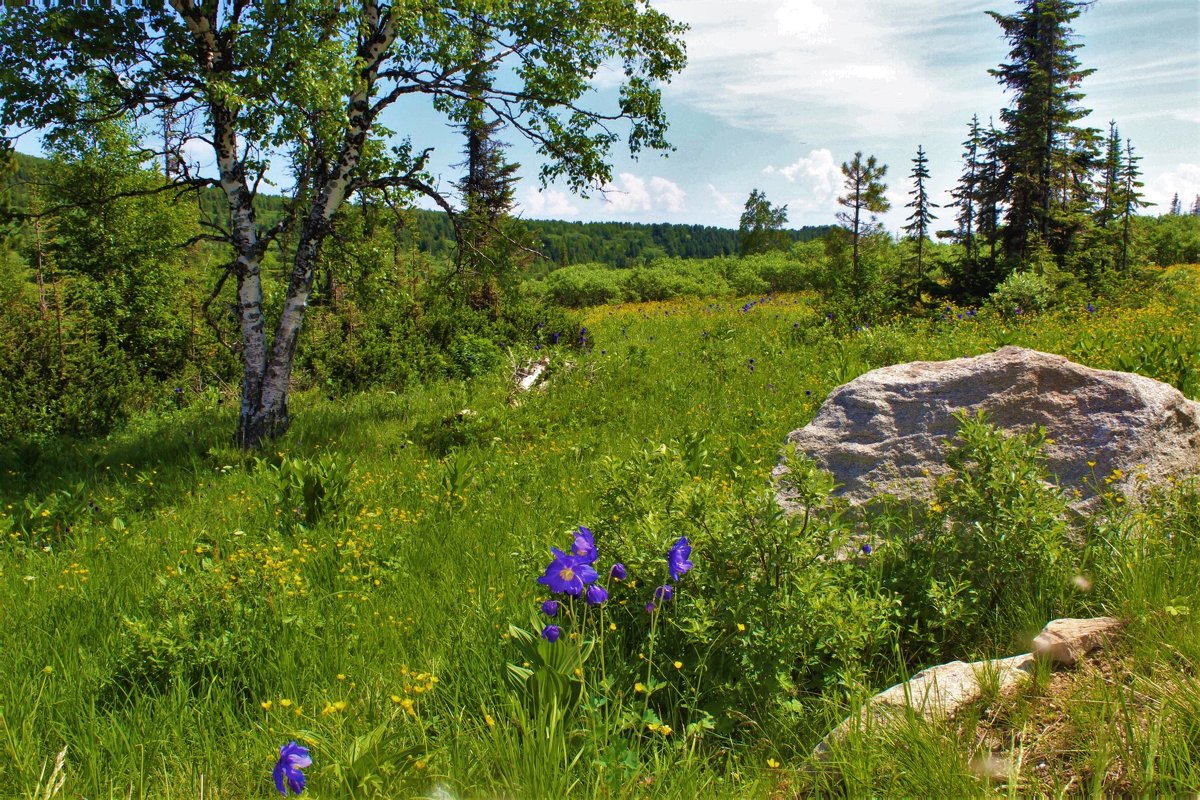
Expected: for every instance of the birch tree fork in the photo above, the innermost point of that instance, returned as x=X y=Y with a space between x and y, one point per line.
x=306 y=83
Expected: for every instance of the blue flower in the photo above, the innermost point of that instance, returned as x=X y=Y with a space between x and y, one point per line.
x=664 y=593
x=567 y=574
x=677 y=558
x=617 y=573
x=551 y=633
x=596 y=594
x=288 y=775
x=550 y=608
x=866 y=549
x=649 y=608
x=585 y=545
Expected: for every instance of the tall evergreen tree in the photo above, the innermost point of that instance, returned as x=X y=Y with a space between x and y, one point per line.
x=1176 y=206
x=990 y=193
x=918 y=222
x=1043 y=148
x=1110 y=177
x=1130 y=200
x=1196 y=206
x=486 y=245
x=966 y=192
x=864 y=196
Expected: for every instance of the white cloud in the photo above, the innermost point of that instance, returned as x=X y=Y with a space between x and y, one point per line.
x=1184 y=180
x=819 y=176
x=631 y=195
x=628 y=195
x=723 y=205
x=547 y=204
x=802 y=66
x=667 y=195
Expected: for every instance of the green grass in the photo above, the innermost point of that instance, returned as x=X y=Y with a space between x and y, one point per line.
x=157 y=595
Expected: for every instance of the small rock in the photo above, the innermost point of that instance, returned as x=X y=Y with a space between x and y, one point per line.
x=1065 y=641
x=936 y=693
x=528 y=375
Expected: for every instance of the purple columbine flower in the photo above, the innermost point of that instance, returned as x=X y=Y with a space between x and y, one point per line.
x=596 y=594
x=664 y=593
x=551 y=633
x=617 y=573
x=649 y=608
x=677 y=558
x=567 y=574
x=288 y=775
x=550 y=608
x=867 y=549
x=585 y=545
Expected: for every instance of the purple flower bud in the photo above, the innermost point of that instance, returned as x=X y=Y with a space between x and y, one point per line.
x=664 y=593
x=678 y=562
x=867 y=549
x=596 y=594
x=649 y=608
x=551 y=633
x=550 y=608
x=617 y=573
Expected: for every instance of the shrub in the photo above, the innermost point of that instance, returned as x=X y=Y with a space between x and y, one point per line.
x=991 y=551
x=1022 y=293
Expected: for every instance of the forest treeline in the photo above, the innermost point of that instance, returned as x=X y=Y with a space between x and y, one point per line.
x=558 y=243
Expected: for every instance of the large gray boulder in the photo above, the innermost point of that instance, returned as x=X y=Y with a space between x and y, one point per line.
x=887 y=430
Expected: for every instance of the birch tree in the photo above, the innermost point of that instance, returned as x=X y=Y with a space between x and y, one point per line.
x=304 y=85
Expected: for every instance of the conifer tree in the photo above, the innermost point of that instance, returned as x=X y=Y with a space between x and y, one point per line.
x=966 y=192
x=486 y=245
x=1130 y=199
x=990 y=195
x=1044 y=151
x=864 y=196
x=1196 y=206
x=1110 y=178
x=922 y=215
x=1176 y=206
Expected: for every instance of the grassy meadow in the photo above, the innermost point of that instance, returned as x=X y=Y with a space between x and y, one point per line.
x=176 y=610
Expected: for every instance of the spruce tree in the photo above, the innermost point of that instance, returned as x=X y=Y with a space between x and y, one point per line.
x=864 y=196
x=922 y=215
x=1130 y=200
x=990 y=193
x=965 y=194
x=1044 y=151
x=1110 y=178
x=1176 y=206
x=486 y=244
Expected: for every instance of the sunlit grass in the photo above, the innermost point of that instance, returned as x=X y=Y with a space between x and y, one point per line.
x=169 y=625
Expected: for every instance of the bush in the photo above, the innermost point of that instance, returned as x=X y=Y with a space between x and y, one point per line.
x=766 y=617
x=991 y=553
x=1022 y=293
x=583 y=285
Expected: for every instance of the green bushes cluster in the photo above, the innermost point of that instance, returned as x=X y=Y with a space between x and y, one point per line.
x=789 y=607
x=584 y=285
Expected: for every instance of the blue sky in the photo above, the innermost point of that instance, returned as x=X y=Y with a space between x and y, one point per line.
x=778 y=93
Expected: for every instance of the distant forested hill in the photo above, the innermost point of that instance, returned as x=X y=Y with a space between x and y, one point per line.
x=616 y=244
